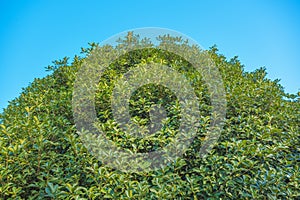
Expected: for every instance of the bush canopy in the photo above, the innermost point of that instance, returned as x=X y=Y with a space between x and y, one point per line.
x=256 y=157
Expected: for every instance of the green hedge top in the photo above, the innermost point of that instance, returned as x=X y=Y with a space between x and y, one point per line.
x=257 y=155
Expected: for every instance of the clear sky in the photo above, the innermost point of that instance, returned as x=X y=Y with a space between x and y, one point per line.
x=34 y=33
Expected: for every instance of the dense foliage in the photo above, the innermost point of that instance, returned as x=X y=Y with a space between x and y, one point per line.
x=257 y=155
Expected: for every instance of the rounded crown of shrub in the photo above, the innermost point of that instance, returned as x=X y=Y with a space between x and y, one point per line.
x=257 y=154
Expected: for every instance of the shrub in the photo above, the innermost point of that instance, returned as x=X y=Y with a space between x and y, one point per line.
x=256 y=157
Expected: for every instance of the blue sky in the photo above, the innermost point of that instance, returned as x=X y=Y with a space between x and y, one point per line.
x=34 y=33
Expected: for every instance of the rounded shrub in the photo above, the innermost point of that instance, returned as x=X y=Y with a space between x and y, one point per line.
x=256 y=157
